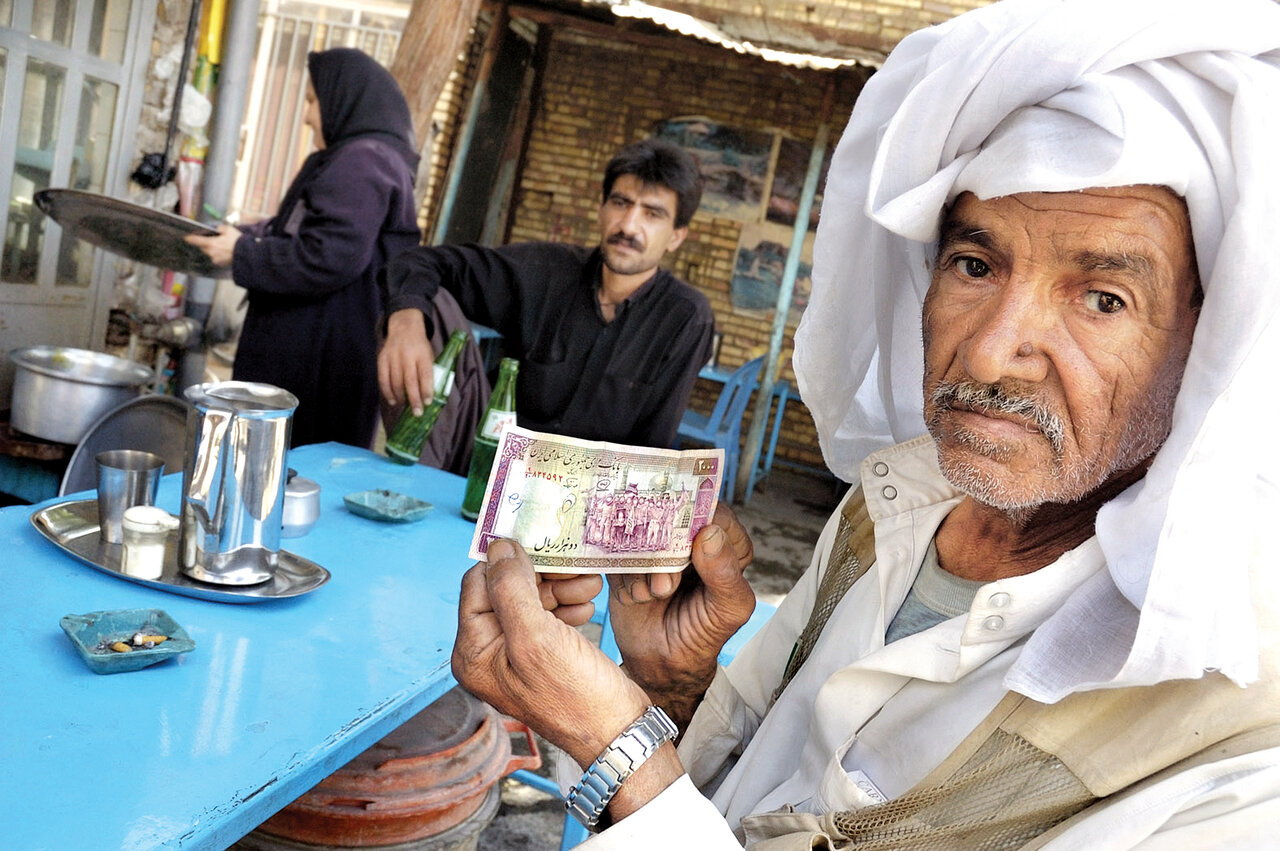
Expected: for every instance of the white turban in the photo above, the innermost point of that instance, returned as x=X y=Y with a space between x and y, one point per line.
x=1061 y=95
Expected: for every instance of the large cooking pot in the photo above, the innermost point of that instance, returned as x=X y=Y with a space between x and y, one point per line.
x=59 y=392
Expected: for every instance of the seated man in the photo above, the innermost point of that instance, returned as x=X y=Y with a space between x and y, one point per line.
x=1049 y=617
x=609 y=343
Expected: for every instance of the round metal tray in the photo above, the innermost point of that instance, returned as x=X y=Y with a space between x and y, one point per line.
x=73 y=528
x=140 y=233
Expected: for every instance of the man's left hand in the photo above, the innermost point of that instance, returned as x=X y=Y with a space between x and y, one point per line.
x=670 y=627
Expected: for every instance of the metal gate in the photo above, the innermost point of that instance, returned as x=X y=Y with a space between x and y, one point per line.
x=275 y=141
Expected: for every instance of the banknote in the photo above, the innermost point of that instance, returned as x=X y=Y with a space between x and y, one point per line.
x=581 y=506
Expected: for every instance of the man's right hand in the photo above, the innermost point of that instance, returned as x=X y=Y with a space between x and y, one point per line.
x=405 y=363
x=670 y=627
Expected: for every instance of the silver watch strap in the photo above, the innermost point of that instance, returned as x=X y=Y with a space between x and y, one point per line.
x=600 y=782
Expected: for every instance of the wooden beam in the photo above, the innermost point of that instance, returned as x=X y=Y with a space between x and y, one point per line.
x=764 y=393
x=453 y=177
x=435 y=33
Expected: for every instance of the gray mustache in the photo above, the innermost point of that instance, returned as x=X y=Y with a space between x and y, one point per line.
x=993 y=398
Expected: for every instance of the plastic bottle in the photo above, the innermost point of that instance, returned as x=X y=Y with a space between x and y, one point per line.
x=410 y=433
x=500 y=413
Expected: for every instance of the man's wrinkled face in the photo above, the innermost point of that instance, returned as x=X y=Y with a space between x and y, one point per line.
x=1056 y=330
x=638 y=225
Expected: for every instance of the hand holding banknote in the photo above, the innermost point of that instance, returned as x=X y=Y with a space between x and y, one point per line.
x=671 y=628
x=638 y=515
x=581 y=506
x=514 y=651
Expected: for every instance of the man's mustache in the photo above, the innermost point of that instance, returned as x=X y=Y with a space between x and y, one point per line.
x=996 y=399
x=622 y=239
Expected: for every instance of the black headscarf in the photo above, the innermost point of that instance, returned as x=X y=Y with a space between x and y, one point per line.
x=358 y=99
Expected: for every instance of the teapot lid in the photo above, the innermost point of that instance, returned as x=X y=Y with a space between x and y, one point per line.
x=242 y=397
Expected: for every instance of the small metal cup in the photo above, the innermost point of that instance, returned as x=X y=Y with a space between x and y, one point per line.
x=126 y=477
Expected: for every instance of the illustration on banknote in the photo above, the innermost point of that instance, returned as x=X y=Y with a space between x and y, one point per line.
x=585 y=506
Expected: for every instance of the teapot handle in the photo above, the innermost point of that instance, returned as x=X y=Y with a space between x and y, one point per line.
x=201 y=492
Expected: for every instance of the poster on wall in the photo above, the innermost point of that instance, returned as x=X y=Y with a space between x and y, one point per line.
x=758 y=267
x=788 y=180
x=734 y=164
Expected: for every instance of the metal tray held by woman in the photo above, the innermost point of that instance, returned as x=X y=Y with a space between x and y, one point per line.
x=139 y=233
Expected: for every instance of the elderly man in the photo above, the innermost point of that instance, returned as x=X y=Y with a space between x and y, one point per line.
x=1049 y=617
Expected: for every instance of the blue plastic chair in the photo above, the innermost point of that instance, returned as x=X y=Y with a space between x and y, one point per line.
x=723 y=426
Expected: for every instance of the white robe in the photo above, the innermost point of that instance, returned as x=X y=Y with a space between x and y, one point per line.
x=863 y=722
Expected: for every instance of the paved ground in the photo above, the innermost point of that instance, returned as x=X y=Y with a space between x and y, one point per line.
x=785 y=517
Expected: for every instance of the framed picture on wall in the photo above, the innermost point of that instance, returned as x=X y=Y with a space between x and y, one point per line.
x=758 y=269
x=735 y=164
x=788 y=180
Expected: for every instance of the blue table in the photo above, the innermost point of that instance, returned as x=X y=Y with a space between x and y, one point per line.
x=197 y=751
x=782 y=391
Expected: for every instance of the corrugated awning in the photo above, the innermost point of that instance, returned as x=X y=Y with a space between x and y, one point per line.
x=838 y=55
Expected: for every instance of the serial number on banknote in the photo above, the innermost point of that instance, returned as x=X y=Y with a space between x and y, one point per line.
x=581 y=506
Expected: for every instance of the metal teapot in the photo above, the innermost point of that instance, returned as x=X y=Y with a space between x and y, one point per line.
x=233 y=481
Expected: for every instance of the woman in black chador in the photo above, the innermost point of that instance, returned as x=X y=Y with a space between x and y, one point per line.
x=314 y=305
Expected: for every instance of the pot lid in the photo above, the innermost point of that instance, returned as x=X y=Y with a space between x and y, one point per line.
x=246 y=398
x=300 y=488
x=81 y=365
x=139 y=233
x=449 y=722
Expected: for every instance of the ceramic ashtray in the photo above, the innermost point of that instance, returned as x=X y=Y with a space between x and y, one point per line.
x=125 y=639
x=388 y=506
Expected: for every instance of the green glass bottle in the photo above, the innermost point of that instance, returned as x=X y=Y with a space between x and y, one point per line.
x=500 y=413
x=410 y=433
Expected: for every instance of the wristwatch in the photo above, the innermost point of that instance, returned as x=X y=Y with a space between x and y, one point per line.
x=587 y=800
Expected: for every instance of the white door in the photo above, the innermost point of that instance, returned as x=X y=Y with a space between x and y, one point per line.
x=71 y=76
